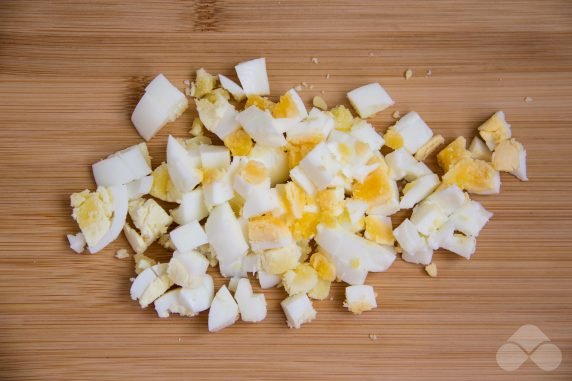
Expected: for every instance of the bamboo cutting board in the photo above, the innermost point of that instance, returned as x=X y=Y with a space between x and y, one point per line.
x=70 y=76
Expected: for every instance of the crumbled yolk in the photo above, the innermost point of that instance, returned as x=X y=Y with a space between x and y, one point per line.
x=495 y=130
x=324 y=266
x=321 y=290
x=262 y=103
x=377 y=231
x=210 y=175
x=300 y=280
x=320 y=103
x=162 y=187
x=278 y=261
x=359 y=306
x=299 y=147
x=375 y=188
x=393 y=139
x=93 y=212
x=453 y=153
x=204 y=83
x=331 y=206
x=216 y=93
x=286 y=108
x=254 y=172
x=196 y=127
x=239 y=143
x=296 y=198
x=343 y=118
x=507 y=155
x=267 y=228
x=429 y=147
x=236 y=203
x=471 y=175
x=306 y=226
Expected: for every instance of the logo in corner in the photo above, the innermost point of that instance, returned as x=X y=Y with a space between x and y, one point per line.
x=529 y=342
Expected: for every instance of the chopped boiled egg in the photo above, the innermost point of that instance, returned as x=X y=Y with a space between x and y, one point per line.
x=252 y=306
x=343 y=118
x=278 y=261
x=183 y=166
x=379 y=190
x=192 y=207
x=137 y=242
x=139 y=187
x=410 y=132
x=360 y=298
x=100 y=215
x=364 y=132
x=253 y=77
x=324 y=266
x=415 y=191
x=510 y=156
x=149 y=218
x=123 y=167
x=259 y=125
x=199 y=298
x=250 y=176
x=415 y=247
x=232 y=87
x=290 y=106
x=317 y=124
x=143 y=262
x=163 y=188
x=274 y=159
x=77 y=242
x=300 y=280
x=403 y=165
x=379 y=229
x=186 y=269
x=474 y=176
x=298 y=310
x=224 y=310
x=268 y=232
x=495 y=130
x=204 y=83
x=470 y=218
x=218 y=115
x=453 y=153
x=170 y=303
x=150 y=284
x=214 y=157
x=217 y=187
x=267 y=280
x=321 y=291
x=260 y=201
x=479 y=150
x=239 y=142
x=429 y=147
x=370 y=99
x=161 y=103
x=188 y=237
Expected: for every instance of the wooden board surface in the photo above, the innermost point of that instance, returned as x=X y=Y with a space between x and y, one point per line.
x=70 y=75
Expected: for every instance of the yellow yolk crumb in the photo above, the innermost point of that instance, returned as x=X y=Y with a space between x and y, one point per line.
x=216 y=93
x=236 y=203
x=431 y=270
x=196 y=127
x=286 y=108
x=495 y=130
x=376 y=187
x=324 y=266
x=278 y=261
x=302 y=279
x=211 y=175
x=254 y=172
x=162 y=187
x=359 y=306
x=93 y=212
x=262 y=103
x=393 y=139
x=331 y=204
x=267 y=228
x=296 y=198
x=204 y=83
x=321 y=290
x=239 y=143
x=343 y=118
x=377 y=231
x=429 y=147
x=306 y=226
x=506 y=156
x=143 y=262
x=299 y=147
x=453 y=153
x=475 y=176
x=320 y=103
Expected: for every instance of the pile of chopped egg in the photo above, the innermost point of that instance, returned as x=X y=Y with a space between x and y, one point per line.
x=297 y=199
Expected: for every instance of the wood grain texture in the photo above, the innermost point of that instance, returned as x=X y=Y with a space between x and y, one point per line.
x=70 y=75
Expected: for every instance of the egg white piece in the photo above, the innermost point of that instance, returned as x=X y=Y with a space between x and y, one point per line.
x=408 y=237
x=460 y=244
x=298 y=310
x=214 y=157
x=320 y=166
x=232 y=87
x=260 y=126
x=218 y=192
x=449 y=199
x=251 y=263
x=360 y=298
x=225 y=234
x=120 y=204
x=303 y=181
x=170 y=303
x=123 y=167
x=186 y=269
x=300 y=107
x=414 y=131
x=369 y=99
x=198 y=299
x=192 y=207
x=260 y=201
x=188 y=237
x=252 y=306
x=182 y=166
x=471 y=218
x=316 y=123
x=417 y=190
x=403 y=165
x=427 y=217
x=219 y=116
x=161 y=103
x=224 y=310
x=77 y=242
x=275 y=160
x=356 y=210
x=267 y=280
x=479 y=149
x=364 y=132
x=139 y=187
x=150 y=284
x=253 y=77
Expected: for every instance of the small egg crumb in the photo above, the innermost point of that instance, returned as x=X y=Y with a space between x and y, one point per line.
x=196 y=127
x=431 y=269
x=315 y=60
x=328 y=76
x=408 y=74
x=429 y=147
x=372 y=337
x=528 y=99
x=396 y=114
x=121 y=254
x=428 y=73
x=298 y=88
x=320 y=103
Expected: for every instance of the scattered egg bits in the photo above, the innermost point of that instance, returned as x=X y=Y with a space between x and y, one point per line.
x=297 y=199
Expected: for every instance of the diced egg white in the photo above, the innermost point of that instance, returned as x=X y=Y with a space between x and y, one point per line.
x=495 y=130
x=510 y=156
x=120 y=202
x=199 y=298
x=224 y=310
x=77 y=242
x=214 y=157
x=413 y=131
x=123 y=167
x=188 y=237
x=267 y=280
x=225 y=233
x=186 y=269
x=471 y=218
x=183 y=166
x=298 y=310
x=369 y=99
x=320 y=166
x=414 y=246
x=260 y=201
x=403 y=165
x=253 y=77
x=259 y=125
x=479 y=149
x=360 y=298
x=192 y=207
x=252 y=306
x=275 y=160
x=303 y=181
x=150 y=284
x=417 y=190
x=364 y=132
x=139 y=187
x=317 y=123
x=169 y=303
x=232 y=87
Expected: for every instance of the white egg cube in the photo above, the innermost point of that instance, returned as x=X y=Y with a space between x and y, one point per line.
x=427 y=217
x=275 y=160
x=403 y=165
x=123 y=167
x=417 y=190
x=260 y=126
x=251 y=263
x=139 y=187
x=461 y=245
x=214 y=157
x=168 y=95
x=320 y=166
x=186 y=269
x=479 y=150
x=369 y=99
x=198 y=299
x=303 y=181
x=316 y=123
x=408 y=237
x=414 y=131
x=260 y=201
x=252 y=307
x=77 y=242
x=232 y=87
x=360 y=298
x=448 y=200
x=364 y=132
x=120 y=205
x=471 y=218
x=150 y=284
x=253 y=77
x=298 y=310
x=182 y=166
x=225 y=234
x=170 y=303
x=223 y=311
x=192 y=207
x=356 y=210
x=189 y=236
